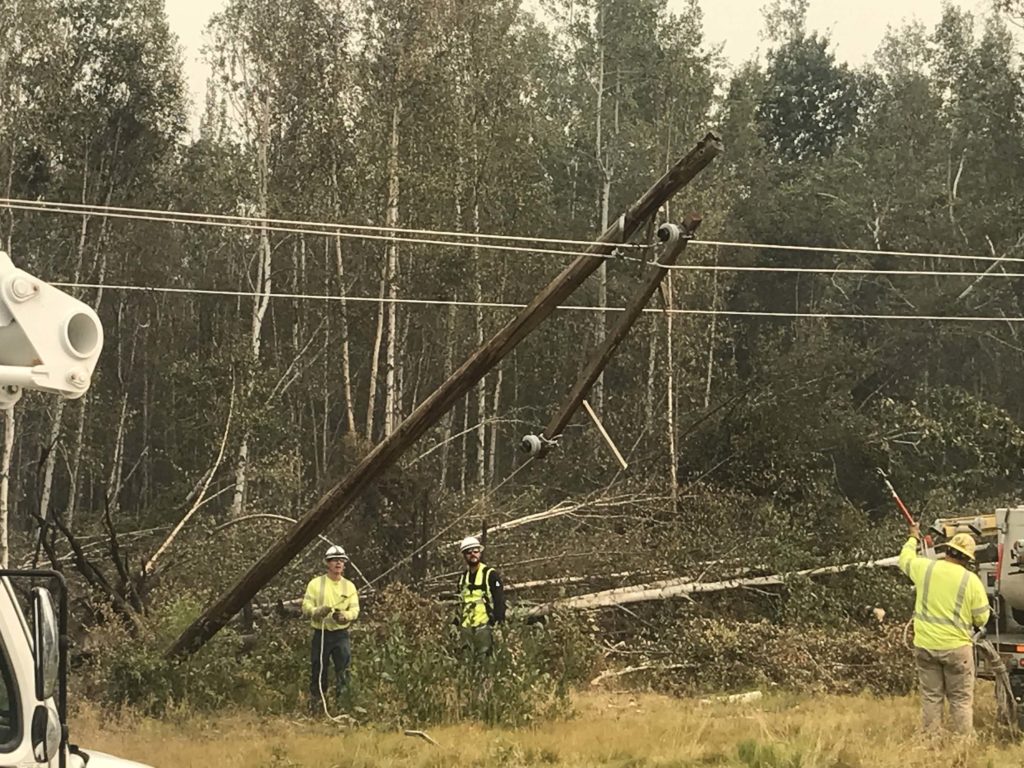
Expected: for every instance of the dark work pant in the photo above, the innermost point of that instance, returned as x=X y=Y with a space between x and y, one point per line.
x=336 y=650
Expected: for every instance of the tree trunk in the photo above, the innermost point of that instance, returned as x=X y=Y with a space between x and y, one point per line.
x=76 y=466
x=597 y=394
x=113 y=492
x=686 y=586
x=492 y=459
x=449 y=418
x=673 y=474
x=463 y=460
x=51 y=460
x=652 y=368
x=6 y=461
x=264 y=283
x=481 y=387
x=371 y=397
x=346 y=358
x=392 y=398
x=711 y=336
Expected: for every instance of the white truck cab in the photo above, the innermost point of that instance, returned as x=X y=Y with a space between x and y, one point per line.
x=33 y=678
x=50 y=342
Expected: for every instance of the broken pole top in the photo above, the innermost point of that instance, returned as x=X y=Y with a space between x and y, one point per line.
x=390 y=449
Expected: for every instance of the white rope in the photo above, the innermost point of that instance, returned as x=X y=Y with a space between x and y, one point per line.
x=566 y=307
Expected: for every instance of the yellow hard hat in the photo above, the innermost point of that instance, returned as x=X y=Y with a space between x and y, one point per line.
x=964 y=544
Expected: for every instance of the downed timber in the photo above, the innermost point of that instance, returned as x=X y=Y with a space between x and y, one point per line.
x=387 y=452
x=686 y=587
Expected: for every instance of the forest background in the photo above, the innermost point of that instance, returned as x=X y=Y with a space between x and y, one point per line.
x=753 y=405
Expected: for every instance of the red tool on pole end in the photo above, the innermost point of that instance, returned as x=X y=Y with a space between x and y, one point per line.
x=902 y=507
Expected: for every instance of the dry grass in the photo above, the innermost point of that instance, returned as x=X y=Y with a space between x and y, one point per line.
x=609 y=730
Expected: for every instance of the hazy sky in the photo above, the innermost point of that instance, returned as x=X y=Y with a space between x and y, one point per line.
x=855 y=26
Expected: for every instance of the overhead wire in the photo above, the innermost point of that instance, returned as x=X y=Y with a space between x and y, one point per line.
x=472 y=239
x=518 y=305
x=261 y=221
x=834 y=270
x=257 y=224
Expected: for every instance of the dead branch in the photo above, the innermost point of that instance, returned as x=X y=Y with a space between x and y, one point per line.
x=147 y=569
x=94 y=576
x=609 y=673
x=121 y=564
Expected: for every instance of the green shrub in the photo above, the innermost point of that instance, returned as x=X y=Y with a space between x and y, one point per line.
x=407 y=668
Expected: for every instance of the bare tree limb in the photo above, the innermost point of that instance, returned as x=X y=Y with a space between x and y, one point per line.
x=147 y=569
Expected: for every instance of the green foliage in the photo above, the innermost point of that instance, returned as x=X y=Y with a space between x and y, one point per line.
x=407 y=669
x=410 y=668
x=717 y=655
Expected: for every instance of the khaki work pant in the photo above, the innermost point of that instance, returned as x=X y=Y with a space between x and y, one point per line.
x=947 y=675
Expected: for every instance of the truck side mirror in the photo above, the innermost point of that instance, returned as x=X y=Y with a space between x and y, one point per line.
x=46 y=643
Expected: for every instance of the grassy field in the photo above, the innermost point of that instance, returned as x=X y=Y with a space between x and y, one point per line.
x=610 y=730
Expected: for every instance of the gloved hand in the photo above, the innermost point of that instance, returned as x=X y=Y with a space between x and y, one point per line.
x=321 y=612
x=340 y=617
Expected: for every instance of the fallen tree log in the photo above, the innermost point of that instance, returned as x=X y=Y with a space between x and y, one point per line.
x=685 y=587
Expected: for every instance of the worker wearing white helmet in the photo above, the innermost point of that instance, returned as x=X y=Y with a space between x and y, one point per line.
x=481 y=600
x=331 y=604
x=951 y=601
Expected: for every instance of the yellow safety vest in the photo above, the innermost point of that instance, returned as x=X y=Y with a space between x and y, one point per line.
x=475 y=591
x=951 y=600
x=340 y=595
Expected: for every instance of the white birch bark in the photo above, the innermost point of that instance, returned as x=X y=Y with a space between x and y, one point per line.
x=264 y=285
x=392 y=398
x=6 y=461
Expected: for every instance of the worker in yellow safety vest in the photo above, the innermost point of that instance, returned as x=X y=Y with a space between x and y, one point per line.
x=331 y=604
x=481 y=601
x=951 y=602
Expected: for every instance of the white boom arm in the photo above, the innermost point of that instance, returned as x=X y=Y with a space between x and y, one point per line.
x=49 y=340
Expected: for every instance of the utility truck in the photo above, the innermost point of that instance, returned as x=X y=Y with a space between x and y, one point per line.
x=49 y=342
x=1000 y=561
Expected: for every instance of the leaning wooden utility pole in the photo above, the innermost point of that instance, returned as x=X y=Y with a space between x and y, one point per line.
x=675 y=239
x=387 y=452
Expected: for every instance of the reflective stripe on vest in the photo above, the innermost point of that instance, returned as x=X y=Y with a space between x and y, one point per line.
x=476 y=597
x=923 y=614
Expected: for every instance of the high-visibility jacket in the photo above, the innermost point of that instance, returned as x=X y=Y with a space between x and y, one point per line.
x=950 y=602
x=339 y=595
x=482 y=597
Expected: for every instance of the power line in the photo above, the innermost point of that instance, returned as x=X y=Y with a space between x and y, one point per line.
x=522 y=249
x=98 y=209
x=512 y=305
x=335 y=228
x=853 y=251
x=256 y=224
x=835 y=271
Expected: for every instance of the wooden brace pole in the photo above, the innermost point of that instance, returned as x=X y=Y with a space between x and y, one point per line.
x=599 y=359
x=388 y=451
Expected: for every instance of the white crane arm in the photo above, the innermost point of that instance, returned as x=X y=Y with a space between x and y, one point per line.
x=49 y=341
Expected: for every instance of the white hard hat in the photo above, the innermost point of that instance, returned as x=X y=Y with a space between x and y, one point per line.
x=470 y=542
x=335 y=553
